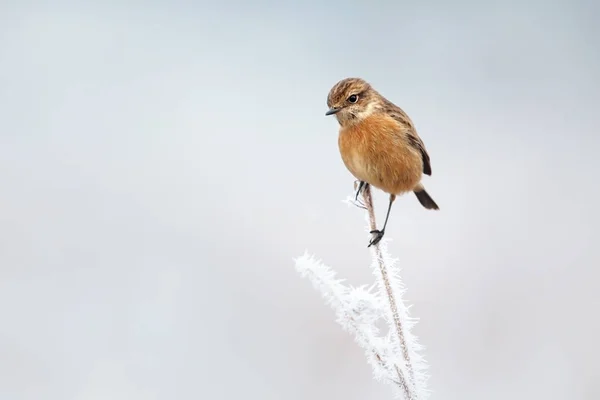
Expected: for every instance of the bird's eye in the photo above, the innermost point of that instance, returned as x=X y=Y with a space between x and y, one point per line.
x=353 y=98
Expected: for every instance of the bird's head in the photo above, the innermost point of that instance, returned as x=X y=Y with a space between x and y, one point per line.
x=351 y=100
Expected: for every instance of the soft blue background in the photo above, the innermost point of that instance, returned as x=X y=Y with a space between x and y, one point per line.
x=162 y=163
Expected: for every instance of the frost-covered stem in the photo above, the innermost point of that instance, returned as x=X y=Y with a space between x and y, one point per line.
x=331 y=291
x=393 y=356
x=324 y=280
x=368 y=201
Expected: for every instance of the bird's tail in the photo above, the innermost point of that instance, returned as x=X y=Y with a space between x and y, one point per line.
x=425 y=199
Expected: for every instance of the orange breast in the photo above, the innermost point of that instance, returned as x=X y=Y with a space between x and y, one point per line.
x=376 y=150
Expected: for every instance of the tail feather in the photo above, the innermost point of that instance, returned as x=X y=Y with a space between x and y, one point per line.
x=426 y=200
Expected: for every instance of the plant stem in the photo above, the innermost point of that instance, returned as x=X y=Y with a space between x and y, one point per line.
x=408 y=390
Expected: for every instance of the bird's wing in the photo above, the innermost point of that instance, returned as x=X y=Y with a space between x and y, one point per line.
x=412 y=136
x=417 y=143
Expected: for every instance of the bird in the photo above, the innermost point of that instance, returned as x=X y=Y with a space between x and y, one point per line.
x=379 y=144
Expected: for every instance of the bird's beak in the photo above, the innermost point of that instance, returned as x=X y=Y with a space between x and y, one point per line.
x=332 y=111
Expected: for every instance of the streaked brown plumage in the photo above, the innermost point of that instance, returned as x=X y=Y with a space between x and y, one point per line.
x=378 y=143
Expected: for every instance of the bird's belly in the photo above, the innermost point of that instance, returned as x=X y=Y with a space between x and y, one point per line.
x=396 y=172
x=359 y=166
x=375 y=152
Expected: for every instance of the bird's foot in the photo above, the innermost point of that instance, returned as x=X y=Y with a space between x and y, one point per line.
x=377 y=238
x=360 y=204
x=361 y=186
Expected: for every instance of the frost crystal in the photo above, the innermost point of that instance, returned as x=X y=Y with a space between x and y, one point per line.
x=395 y=356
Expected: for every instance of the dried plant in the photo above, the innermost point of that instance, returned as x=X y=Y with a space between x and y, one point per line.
x=394 y=355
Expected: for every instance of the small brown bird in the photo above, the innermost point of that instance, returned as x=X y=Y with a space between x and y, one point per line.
x=379 y=144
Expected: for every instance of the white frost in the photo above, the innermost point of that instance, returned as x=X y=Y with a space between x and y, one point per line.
x=394 y=356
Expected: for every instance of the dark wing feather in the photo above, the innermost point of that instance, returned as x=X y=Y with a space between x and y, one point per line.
x=413 y=139
x=417 y=143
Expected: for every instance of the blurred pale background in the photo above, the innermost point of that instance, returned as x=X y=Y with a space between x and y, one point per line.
x=161 y=165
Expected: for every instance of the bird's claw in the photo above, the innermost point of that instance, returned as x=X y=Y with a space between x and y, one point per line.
x=377 y=238
x=361 y=187
x=359 y=204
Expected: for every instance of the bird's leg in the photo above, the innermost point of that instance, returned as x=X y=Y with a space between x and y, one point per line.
x=361 y=185
x=379 y=233
x=361 y=188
